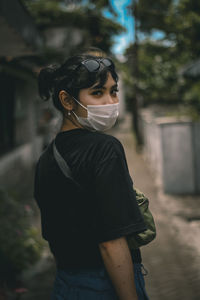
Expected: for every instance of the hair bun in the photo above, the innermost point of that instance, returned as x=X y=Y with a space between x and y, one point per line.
x=45 y=82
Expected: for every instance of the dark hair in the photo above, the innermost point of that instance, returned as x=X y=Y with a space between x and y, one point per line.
x=68 y=77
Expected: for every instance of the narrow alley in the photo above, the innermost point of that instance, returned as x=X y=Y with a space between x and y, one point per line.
x=173 y=266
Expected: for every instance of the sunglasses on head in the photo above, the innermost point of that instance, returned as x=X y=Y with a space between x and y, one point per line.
x=93 y=65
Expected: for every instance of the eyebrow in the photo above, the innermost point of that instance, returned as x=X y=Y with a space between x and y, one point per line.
x=98 y=86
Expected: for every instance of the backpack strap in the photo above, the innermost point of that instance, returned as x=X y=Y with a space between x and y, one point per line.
x=62 y=164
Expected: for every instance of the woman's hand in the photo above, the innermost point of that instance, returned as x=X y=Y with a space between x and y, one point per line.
x=119 y=265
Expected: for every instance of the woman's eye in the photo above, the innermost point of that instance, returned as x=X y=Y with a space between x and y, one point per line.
x=114 y=92
x=97 y=93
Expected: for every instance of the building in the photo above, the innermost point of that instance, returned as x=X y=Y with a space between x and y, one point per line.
x=19 y=39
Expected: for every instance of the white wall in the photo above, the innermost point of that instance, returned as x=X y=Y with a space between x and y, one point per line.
x=121 y=95
x=172 y=147
x=28 y=145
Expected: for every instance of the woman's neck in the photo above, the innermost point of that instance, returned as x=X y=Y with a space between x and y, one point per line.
x=69 y=124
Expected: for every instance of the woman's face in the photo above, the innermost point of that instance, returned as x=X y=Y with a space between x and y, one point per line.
x=96 y=95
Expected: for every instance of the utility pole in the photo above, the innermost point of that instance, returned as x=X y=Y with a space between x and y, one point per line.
x=135 y=66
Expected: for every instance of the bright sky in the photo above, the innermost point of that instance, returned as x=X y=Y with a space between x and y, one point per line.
x=123 y=40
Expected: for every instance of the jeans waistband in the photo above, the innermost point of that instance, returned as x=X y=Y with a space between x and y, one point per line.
x=99 y=270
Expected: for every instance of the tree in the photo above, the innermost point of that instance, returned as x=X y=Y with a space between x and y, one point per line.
x=152 y=15
x=160 y=60
x=87 y=16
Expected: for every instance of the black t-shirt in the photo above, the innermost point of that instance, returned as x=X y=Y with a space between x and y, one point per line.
x=74 y=220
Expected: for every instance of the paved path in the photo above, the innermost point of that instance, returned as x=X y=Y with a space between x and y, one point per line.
x=174 y=268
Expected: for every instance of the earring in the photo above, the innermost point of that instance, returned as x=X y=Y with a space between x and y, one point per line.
x=69 y=113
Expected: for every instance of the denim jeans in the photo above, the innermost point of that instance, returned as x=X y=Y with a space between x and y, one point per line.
x=92 y=285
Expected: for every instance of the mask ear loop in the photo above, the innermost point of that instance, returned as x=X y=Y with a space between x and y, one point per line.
x=75 y=114
x=69 y=113
x=77 y=117
x=80 y=103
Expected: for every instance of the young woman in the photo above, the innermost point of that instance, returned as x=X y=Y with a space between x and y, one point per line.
x=87 y=225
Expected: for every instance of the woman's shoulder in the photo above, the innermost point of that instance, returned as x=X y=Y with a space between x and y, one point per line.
x=91 y=145
x=105 y=140
x=105 y=145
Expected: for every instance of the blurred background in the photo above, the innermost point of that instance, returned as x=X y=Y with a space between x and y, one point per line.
x=156 y=48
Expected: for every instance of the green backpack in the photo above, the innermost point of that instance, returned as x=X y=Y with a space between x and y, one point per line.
x=137 y=240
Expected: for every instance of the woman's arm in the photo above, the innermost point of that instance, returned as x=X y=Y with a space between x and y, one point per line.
x=118 y=262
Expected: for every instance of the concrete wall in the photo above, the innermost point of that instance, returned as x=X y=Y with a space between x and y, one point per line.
x=196 y=139
x=13 y=164
x=178 y=158
x=58 y=37
x=28 y=144
x=172 y=148
x=25 y=112
x=122 y=107
x=152 y=142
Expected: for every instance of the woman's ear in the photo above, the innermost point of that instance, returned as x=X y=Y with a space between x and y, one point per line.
x=66 y=100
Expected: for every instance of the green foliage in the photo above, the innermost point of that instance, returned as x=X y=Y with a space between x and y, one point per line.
x=87 y=16
x=158 y=74
x=99 y=30
x=102 y=4
x=179 y=21
x=20 y=243
x=184 y=23
x=153 y=15
x=191 y=98
x=159 y=61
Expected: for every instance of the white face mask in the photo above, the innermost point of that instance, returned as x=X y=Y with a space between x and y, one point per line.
x=100 y=117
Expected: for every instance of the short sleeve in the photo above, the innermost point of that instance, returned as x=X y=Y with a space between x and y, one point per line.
x=117 y=212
